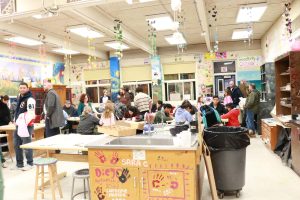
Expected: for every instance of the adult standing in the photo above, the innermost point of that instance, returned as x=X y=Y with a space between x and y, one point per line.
x=142 y=101
x=24 y=119
x=235 y=93
x=252 y=107
x=53 y=111
x=244 y=88
x=4 y=120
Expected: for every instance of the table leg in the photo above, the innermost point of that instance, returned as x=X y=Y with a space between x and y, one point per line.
x=10 y=141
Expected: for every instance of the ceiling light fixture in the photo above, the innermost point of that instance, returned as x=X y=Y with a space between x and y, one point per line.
x=138 y=1
x=85 y=31
x=162 y=22
x=116 y=45
x=43 y=15
x=176 y=39
x=24 y=41
x=251 y=12
x=241 y=34
x=66 y=51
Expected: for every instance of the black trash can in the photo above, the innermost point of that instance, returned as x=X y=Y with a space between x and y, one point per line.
x=228 y=155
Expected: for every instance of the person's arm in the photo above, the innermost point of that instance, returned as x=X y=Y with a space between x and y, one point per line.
x=93 y=108
x=80 y=108
x=51 y=103
x=226 y=116
x=188 y=117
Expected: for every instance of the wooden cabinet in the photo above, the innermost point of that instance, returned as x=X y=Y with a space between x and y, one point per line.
x=39 y=96
x=295 y=140
x=270 y=133
x=143 y=174
x=287 y=73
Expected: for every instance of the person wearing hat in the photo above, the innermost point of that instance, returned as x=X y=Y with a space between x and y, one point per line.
x=69 y=109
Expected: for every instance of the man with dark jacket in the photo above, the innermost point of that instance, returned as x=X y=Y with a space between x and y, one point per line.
x=218 y=106
x=252 y=107
x=235 y=93
x=25 y=106
x=54 y=117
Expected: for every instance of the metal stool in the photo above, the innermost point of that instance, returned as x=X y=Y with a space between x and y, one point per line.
x=81 y=174
x=40 y=173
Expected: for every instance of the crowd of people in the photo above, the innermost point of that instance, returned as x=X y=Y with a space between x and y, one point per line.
x=128 y=106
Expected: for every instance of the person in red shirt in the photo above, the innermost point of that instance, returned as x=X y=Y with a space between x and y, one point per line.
x=232 y=115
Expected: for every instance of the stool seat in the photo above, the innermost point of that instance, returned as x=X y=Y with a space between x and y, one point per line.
x=44 y=161
x=82 y=173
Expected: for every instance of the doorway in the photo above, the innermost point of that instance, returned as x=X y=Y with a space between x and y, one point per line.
x=222 y=82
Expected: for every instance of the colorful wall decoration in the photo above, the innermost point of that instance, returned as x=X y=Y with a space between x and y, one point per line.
x=58 y=72
x=115 y=78
x=156 y=78
x=16 y=68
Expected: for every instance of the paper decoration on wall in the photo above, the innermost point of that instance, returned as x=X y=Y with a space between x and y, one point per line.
x=210 y=56
x=288 y=20
x=58 y=73
x=249 y=62
x=221 y=55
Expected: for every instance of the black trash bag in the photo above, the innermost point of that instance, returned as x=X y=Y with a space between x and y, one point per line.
x=224 y=138
x=283 y=146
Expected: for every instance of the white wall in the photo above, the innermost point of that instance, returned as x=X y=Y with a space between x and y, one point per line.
x=276 y=42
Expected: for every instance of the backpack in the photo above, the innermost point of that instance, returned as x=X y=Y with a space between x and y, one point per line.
x=210 y=116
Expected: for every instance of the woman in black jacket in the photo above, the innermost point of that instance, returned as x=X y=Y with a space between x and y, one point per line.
x=4 y=119
x=4 y=111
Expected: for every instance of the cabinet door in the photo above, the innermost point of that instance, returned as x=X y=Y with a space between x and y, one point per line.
x=111 y=183
x=167 y=184
x=296 y=149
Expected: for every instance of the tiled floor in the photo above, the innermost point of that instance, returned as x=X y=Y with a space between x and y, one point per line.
x=266 y=179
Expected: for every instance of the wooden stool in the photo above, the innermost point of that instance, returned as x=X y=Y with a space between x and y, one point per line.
x=81 y=174
x=40 y=173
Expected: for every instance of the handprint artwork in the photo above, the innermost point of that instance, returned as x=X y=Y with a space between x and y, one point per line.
x=124 y=176
x=100 y=156
x=100 y=193
x=158 y=181
x=115 y=158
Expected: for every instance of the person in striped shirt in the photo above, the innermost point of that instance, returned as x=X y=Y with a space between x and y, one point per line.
x=142 y=101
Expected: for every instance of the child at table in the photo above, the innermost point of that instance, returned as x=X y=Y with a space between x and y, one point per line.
x=88 y=122
x=108 y=117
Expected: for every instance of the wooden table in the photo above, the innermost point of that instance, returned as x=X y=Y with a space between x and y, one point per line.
x=10 y=129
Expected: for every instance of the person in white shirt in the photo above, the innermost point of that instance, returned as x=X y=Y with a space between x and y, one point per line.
x=142 y=101
x=105 y=97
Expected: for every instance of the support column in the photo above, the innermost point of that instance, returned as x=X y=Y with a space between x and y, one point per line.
x=115 y=78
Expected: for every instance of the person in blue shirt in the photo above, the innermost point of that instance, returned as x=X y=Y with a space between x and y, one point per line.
x=183 y=113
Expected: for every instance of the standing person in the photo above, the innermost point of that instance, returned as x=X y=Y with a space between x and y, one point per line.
x=218 y=106
x=227 y=98
x=105 y=97
x=4 y=120
x=85 y=101
x=244 y=88
x=232 y=115
x=24 y=128
x=252 y=107
x=235 y=93
x=54 y=115
x=125 y=96
x=142 y=101
x=200 y=102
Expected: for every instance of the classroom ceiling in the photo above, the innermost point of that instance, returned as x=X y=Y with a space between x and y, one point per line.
x=134 y=23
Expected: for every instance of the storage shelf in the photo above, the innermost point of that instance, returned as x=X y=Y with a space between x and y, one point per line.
x=285 y=74
x=286 y=105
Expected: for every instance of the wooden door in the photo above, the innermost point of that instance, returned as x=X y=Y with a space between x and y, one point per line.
x=296 y=149
x=113 y=182
x=61 y=91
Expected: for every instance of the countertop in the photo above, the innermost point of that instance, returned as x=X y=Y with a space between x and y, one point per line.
x=164 y=134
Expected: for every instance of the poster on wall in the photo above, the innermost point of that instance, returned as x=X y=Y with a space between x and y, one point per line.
x=16 y=69
x=156 y=78
x=115 y=78
x=249 y=70
x=58 y=73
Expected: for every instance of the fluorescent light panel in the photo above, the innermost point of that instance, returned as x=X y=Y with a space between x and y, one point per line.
x=85 y=31
x=162 y=22
x=43 y=15
x=176 y=39
x=138 y=1
x=116 y=45
x=251 y=13
x=24 y=41
x=241 y=34
x=65 y=51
